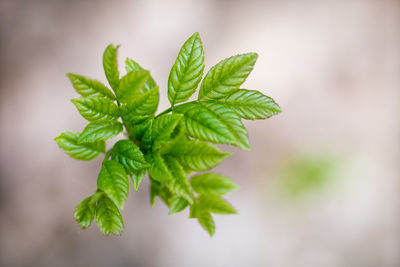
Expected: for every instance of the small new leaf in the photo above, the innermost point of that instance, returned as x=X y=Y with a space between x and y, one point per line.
x=97 y=109
x=108 y=217
x=99 y=131
x=110 y=65
x=212 y=183
x=83 y=151
x=158 y=169
x=129 y=156
x=163 y=126
x=187 y=71
x=131 y=65
x=177 y=204
x=89 y=87
x=179 y=184
x=114 y=181
x=84 y=212
x=227 y=76
x=132 y=85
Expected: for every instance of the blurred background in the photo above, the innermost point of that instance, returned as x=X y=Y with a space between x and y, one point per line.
x=321 y=186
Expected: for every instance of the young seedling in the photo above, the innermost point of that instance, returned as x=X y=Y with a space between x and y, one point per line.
x=169 y=146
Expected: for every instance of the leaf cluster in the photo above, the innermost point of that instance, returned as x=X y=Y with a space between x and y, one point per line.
x=171 y=146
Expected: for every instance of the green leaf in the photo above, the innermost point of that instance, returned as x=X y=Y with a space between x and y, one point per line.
x=213 y=122
x=137 y=178
x=110 y=65
x=215 y=204
x=108 y=217
x=134 y=66
x=84 y=212
x=129 y=156
x=207 y=222
x=141 y=108
x=86 y=151
x=163 y=126
x=114 y=181
x=212 y=183
x=89 y=87
x=177 y=204
x=97 y=109
x=187 y=71
x=160 y=190
x=132 y=85
x=251 y=104
x=200 y=156
x=179 y=184
x=158 y=169
x=227 y=76
x=98 y=131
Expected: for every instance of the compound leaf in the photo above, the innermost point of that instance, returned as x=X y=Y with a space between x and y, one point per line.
x=97 y=131
x=108 y=217
x=227 y=76
x=215 y=204
x=96 y=108
x=213 y=122
x=212 y=183
x=251 y=104
x=200 y=156
x=132 y=85
x=89 y=87
x=110 y=65
x=178 y=184
x=206 y=220
x=158 y=169
x=114 y=181
x=129 y=156
x=187 y=71
x=84 y=212
x=85 y=151
x=177 y=204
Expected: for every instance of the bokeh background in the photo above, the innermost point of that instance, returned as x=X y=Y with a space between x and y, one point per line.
x=321 y=186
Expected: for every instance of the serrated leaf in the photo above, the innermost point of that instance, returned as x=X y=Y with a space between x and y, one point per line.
x=199 y=156
x=213 y=122
x=98 y=131
x=178 y=184
x=132 y=85
x=131 y=65
x=187 y=71
x=89 y=87
x=86 y=151
x=177 y=204
x=141 y=108
x=114 y=181
x=159 y=189
x=137 y=178
x=84 y=212
x=163 y=126
x=215 y=204
x=212 y=183
x=227 y=76
x=129 y=156
x=207 y=222
x=158 y=168
x=251 y=104
x=110 y=65
x=108 y=217
x=97 y=109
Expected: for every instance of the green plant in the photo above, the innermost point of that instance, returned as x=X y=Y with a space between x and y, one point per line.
x=168 y=146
